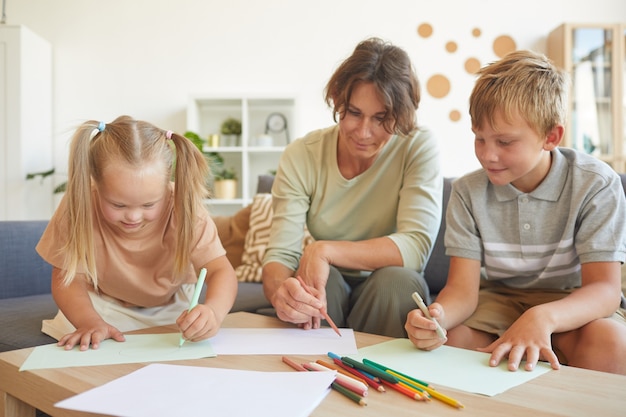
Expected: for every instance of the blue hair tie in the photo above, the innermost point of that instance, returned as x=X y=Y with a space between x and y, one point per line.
x=101 y=126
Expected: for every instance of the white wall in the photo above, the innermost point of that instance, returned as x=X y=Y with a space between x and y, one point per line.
x=145 y=57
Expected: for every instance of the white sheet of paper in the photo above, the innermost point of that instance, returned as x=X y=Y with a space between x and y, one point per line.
x=462 y=369
x=136 y=348
x=173 y=390
x=164 y=347
x=283 y=342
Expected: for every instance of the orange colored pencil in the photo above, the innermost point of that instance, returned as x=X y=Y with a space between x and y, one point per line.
x=423 y=396
x=412 y=384
x=334 y=367
x=293 y=364
x=403 y=390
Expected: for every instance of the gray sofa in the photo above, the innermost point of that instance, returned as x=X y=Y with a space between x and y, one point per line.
x=25 y=298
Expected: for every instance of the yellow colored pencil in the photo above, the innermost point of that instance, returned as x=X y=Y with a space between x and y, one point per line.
x=432 y=392
x=416 y=385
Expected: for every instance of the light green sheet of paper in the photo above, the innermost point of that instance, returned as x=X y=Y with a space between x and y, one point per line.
x=136 y=348
x=461 y=369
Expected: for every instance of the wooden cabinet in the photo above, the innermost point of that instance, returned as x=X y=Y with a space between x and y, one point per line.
x=595 y=57
x=267 y=126
x=25 y=124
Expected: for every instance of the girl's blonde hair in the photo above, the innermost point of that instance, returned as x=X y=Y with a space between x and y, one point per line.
x=524 y=83
x=136 y=143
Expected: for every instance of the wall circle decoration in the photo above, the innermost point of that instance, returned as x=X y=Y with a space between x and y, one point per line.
x=502 y=45
x=438 y=86
x=455 y=115
x=451 y=46
x=425 y=30
x=472 y=65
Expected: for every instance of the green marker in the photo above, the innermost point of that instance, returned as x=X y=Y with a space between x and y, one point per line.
x=369 y=369
x=194 y=299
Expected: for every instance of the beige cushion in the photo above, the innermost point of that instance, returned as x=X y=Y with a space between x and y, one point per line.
x=232 y=231
x=257 y=239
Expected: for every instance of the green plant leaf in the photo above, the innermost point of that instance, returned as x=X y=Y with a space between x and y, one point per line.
x=43 y=174
x=195 y=139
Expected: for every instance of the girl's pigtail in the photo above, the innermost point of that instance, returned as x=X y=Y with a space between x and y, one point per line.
x=80 y=248
x=190 y=190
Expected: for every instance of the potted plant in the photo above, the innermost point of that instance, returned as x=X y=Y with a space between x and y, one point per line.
x=224 y=180
x=230 y=130
x=225 y=183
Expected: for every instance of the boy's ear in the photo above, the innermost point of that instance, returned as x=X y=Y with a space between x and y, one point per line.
x=554 y=138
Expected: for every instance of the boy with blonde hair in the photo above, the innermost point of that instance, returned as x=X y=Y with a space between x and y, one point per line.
x=547 y=224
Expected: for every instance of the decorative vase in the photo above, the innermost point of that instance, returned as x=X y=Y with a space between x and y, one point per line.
x=214 y=140
x=229 y=140
x=225 y=189
x=265 y=140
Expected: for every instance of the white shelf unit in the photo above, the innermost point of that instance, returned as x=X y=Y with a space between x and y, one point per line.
x=595 y=57
x=25 y=124
x=205 y=115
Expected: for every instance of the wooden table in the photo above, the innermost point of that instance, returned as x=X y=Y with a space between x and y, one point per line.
x=567 y=392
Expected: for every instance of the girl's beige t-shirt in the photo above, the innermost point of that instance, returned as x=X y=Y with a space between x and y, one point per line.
x=136 y=271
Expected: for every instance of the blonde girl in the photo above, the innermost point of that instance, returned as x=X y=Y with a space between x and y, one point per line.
x=126 y=242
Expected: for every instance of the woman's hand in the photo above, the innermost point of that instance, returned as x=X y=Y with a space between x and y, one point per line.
x=294 y=304
x=91 y=335
x=315 y=267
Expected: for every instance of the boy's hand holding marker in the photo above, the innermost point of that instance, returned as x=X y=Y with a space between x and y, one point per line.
x=422 y=306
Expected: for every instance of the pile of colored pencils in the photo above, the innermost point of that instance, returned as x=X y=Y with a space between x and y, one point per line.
x=355 y=377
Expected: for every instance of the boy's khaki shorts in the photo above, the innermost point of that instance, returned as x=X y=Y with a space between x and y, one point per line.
x=499 y=306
